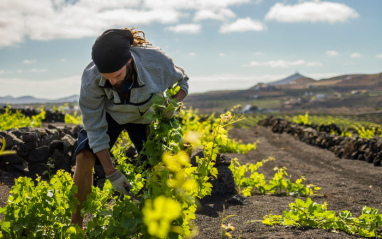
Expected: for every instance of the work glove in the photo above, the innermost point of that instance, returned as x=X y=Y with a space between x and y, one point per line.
x=119 y=182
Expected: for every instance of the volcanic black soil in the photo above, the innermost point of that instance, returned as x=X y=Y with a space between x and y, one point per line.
x=345 y=185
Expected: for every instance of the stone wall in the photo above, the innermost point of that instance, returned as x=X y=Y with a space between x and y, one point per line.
x=37 y=148
x=369 y=150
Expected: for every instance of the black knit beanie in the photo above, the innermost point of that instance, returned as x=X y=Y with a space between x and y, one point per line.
x=111 y=50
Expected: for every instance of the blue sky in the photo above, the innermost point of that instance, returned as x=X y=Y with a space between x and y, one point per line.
x=225 y=44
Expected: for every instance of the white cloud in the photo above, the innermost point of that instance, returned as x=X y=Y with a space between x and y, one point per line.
x=355 y=55
x=74 y=19
x=38 y=70
x=193 y=4
x=206 y=14
x=242 y=25
x=309 y=11
x=51 y=89
x=76 y=27
x=379 y=55
x=29 y=61
x=282 y=63
x=222 y=54
x=331 y=53
x=44 y=20
x=185 y=28
x=192 y=54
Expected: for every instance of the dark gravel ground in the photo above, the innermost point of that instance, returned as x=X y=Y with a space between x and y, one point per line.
x=346 y=184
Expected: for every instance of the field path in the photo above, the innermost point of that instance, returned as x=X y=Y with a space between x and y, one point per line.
x=346 y=184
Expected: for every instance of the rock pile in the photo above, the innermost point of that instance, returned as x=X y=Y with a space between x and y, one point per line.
x=39 y=149
x=343 y=147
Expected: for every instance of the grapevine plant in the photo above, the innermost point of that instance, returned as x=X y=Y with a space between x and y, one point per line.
x=73 y=119
x=365 y=133
x=192 y=122
x=9 y=120
x=302 y=119
x=69 y=119
x=311 y=214
x=41 y=211
x=278 y=185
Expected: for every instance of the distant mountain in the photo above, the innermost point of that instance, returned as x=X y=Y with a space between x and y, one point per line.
x=291 y=79
x=32 y=100
x=356 y=80
x=73 y=98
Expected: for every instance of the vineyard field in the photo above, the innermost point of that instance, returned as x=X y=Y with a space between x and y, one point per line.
x=345 y=185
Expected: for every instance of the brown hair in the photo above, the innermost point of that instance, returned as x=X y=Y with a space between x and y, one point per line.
x=138 y=39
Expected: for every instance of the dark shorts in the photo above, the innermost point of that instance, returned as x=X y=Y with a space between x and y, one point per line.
x=137 y=132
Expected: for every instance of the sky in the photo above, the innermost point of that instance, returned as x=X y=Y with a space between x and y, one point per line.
x=222 y=44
